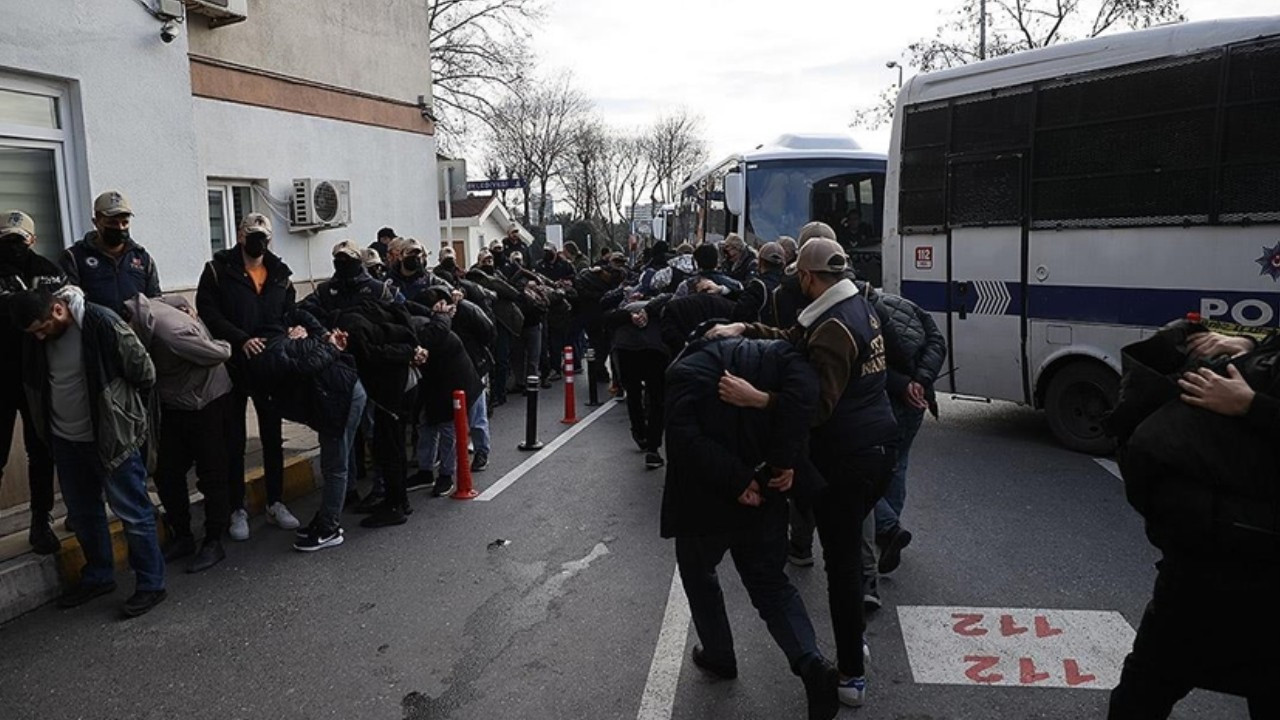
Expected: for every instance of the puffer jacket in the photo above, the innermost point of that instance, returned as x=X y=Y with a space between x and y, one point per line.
x=307 y=381
x=190 y=365
x=682 y=315
x=714 y=448
x=915 y=348
x=116 y=368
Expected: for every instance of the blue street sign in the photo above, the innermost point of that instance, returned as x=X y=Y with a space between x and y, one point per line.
x=508 y=184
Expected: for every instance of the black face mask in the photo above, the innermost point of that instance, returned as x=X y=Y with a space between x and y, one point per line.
x=13 y=250
x=255 y=245
x=448 y=263
x=413 y=263
x=113 y=237
x=377 y=271
x=346 y=268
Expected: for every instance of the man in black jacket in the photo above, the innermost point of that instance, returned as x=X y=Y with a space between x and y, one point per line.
x=723 y=493
x=108 y=264
x=244 y=294
x=754 y=304
x=21 y=268
x=350 y=286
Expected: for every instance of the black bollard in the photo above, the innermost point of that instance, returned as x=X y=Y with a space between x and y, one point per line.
x=593 y=393
x=531 y=416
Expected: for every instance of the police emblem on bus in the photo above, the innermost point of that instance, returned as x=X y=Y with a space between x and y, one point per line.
x=1270 y=262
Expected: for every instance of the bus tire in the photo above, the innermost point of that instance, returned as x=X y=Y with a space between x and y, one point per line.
x=1078 y=397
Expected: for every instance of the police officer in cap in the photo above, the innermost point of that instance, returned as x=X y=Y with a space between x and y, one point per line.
x=107 y=264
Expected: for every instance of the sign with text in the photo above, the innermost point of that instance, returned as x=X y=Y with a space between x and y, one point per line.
x=924 y=257
x=1015 y=647
x=508 y=184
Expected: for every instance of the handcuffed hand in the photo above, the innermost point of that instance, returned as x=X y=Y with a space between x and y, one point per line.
x=1207 y=389
x=751 y=496
x=1212 y=344
x=740 y=393
x=724 y=331
x=253 y=346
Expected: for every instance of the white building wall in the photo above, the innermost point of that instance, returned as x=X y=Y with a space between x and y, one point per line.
x=132 y=118
x=392 y=175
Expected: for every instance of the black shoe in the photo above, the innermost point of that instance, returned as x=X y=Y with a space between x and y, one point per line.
x=653 y=460
x=820 y=682
x=891 y=549
x=545 y=384
x=480 y=462
x=142 y=601
x=443 y=486
x=178 y=547
x=385 y=516
x=81 y=594
x=369 y=504
x=722 y=671
x=318 y=539
x=419 y=480
x=799 y=556
x=42 y=537
x=210 y=554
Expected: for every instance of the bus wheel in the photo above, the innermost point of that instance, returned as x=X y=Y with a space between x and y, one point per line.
x=1078 y=397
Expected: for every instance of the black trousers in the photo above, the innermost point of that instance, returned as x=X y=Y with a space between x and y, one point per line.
x=269 y=432
x=854 y=483
x=195 y=437
x=643 y=375
x=1228 y=645
x=759 y=558
x=389 y=453
x=39 y=459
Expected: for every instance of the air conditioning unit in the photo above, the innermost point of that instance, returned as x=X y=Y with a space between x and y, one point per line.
x=219 y=12
x=320 y=203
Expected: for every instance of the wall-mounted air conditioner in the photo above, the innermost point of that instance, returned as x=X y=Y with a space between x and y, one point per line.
x=219 y=12
x=320 y=203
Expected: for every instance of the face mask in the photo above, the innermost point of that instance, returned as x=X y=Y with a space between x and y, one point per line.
x=13 y=249
x=448 y=263
x=255 y=245
x=345 y=267
x=114 y=237
x=377 y=271
x=413 y=263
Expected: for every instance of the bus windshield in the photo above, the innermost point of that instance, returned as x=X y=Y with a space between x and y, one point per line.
x=783 y=195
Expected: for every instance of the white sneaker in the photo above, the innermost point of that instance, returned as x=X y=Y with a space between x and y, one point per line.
x=278 y=514
x=853 y=692
x=239 y=529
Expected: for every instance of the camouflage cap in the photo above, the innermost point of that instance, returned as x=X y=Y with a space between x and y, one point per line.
x=112 y=203
x=256 y=223
x=18 y=223
x=347 y=248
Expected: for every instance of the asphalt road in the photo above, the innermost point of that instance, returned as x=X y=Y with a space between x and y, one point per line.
x=438 y=619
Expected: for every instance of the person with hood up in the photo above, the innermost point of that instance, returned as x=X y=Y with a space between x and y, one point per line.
x=21 y=269
x=108 y=264
x=84 y=371
x=193 y=391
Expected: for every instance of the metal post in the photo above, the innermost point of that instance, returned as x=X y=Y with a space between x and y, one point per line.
x=531 y=415
x=593 y=391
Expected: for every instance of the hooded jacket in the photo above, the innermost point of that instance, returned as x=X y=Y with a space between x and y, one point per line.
x=28 y=273
x=307 y=381
x=106 y=280
x=116 y=369
x=190 y=364
x=714 y=447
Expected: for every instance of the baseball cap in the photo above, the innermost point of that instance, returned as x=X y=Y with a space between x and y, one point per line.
x=256 y=223
x=347 y=248
x=18 y=223
x=815 y=229
x=447 y=252
x=370 y=257
x=820 y=255
x=773 y=254
x=112 y=203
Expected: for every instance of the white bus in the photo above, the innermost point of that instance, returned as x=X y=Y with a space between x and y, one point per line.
x=1051 y=206
x=795 y=179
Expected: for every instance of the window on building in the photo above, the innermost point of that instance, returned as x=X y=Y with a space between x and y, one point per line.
x=35 y=175
x=229 y=202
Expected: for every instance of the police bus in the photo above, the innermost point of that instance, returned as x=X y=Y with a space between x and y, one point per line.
x=1051 y=206
x=773 y=190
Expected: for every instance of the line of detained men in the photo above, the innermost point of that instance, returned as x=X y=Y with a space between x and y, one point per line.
x=87 y=377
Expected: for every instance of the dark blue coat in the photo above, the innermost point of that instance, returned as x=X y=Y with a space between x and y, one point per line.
x=109 y=281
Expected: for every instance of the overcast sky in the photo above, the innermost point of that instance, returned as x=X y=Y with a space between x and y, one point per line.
x=753 y=69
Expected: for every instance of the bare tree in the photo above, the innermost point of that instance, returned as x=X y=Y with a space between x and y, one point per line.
x=585 y=169
x=1017 y=25
x=630 y=174
x=479 y=49
x=674 y=146
x=533 y=130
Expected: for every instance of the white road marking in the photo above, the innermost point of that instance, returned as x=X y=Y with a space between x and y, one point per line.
x=507 y=480
x=664 y=672
x=1015 y=647
x=1110 y=466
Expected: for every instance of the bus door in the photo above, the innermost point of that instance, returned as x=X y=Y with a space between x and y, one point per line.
x=986 y=249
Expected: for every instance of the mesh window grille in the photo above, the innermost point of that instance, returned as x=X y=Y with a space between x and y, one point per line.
x=986 y=192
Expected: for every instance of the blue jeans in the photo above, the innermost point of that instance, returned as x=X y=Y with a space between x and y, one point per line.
x=83 y=479
x=889 y=508
x=759 y=557
x=438 y=444
x=478 y=419
x=335 y=462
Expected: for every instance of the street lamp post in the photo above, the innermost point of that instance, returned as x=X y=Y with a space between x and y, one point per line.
x=895 y=64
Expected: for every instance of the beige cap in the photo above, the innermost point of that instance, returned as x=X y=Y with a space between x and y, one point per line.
x=815 y=229
x=403 y=245
x=370 y=257
x=773 y=254
x=347 y=248
x=447 y=252
x=112 y=203
x=19 y=223
x=820 y=255
x=256 y=223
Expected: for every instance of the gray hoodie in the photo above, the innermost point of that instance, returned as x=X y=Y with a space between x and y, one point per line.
x=190 y=371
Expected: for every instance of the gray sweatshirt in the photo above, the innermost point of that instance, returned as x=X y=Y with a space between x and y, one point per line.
x=190 y=371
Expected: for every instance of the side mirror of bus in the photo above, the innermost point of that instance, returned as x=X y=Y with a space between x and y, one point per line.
x=735 y=192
